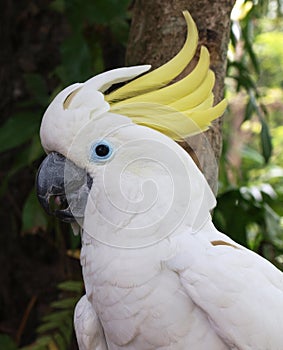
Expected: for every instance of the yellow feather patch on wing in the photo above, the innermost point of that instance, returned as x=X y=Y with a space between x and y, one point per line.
x=179 y=110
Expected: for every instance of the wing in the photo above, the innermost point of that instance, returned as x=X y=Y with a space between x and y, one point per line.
x=88 y=329
x=241 y=293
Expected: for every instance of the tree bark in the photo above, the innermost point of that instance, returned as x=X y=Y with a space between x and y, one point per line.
x=158 y=32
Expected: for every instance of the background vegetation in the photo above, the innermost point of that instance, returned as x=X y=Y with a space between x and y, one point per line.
x=41 y=278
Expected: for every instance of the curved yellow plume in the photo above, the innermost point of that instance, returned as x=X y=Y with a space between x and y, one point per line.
x=179 y=110
x=174 y=92
x=164 y=74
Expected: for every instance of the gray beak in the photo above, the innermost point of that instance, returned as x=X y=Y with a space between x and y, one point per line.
x=62 y=188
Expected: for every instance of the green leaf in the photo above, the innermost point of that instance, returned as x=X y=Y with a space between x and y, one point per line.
x=27 y=156
x=120 y=30
x=23 y=158
x=71 y=286
x=57 y=316
x=273 y=227
x=47 y=327
x=18 y=129
x=229 y=210
x=233 y=38
x=58 y=5
x=60 y=341
x=35 y=150
x=67 y=303
x=7 y=343
x=41 y=343
x=249 y=110
x=75 y=240
x=253 y=57
x=248 y=45
x=37 y=88
x=66 y=329
x=266 y=142
x=76 y=60
x=252 y=155
x=98 y=11
x=33 y=216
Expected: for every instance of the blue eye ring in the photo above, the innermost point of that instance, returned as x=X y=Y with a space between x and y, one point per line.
x=100 y=151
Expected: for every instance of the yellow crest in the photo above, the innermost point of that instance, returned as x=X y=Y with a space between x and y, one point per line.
x=178 y=110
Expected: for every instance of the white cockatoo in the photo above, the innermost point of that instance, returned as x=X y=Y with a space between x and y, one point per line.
x=157 y=273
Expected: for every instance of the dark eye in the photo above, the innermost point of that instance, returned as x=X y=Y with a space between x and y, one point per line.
x=101 y=150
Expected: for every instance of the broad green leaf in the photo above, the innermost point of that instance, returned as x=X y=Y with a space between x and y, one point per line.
x=120 y=30
x=33 y=216
x=25 y=157
x=58 y=6
x=35 y=149
x=75 y=240
x=18 y=129
x=101 y=11
x=252 y=155
x=7 y=343
x=76 y=60
x=273 y=228
x=37 y=88
x=231 y=216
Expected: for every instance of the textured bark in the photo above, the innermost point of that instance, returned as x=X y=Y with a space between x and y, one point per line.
x=157 y=34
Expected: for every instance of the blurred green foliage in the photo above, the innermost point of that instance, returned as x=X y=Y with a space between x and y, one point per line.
x=56 y=329
x=251 y=176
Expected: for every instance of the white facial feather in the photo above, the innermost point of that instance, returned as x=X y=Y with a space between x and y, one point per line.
x=149 y=188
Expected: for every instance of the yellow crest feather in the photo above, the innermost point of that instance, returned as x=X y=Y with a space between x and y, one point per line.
x=180 y=109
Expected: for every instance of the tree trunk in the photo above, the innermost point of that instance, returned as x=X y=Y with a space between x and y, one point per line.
x=158 y=32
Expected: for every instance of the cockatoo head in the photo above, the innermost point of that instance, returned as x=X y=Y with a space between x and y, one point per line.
x=113 y=164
